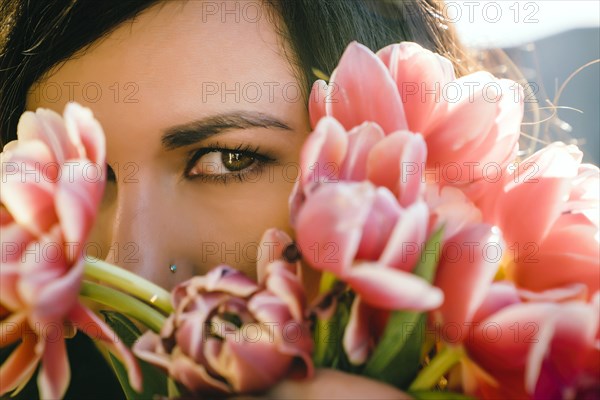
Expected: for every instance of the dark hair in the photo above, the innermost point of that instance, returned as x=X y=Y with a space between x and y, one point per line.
x=38 y=35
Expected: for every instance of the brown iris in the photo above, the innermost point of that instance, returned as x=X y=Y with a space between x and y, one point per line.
x=236 y=161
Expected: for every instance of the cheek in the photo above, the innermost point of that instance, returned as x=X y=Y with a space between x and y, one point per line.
x=229 y=225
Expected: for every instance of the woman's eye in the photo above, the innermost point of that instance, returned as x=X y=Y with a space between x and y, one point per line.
x=221 y=162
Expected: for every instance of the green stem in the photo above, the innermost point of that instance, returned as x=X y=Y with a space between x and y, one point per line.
x=123 y=303
x=172 y=389
x=323 y=334
x=129 y=282
x=321 y=343
x=437 y=368
x=327 y=281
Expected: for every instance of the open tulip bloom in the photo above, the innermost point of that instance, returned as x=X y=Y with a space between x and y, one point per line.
x=430 y=280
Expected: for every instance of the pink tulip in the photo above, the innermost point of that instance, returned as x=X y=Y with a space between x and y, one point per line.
x=419 y=74
x=366 y=239
x=477 y=131
x=353 y=99
x=585 y=193
x=330 y=154
x=396 y=162
x=55 y=171
x=53 y=180
x=551 y=253
x=468 y=263
x=272 y=247
x=536 y=349
x=555 y=242
x=361 y=222
x=231 y=335
x=468 y=123
x=451 y=209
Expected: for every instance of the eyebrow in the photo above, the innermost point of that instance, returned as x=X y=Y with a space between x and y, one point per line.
x=199 y=130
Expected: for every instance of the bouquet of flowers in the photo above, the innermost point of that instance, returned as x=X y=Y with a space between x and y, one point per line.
x=449 y=263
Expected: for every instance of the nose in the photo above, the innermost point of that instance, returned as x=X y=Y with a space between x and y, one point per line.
x=144 y=237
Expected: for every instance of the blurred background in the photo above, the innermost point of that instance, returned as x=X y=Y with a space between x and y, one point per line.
x=548 y=41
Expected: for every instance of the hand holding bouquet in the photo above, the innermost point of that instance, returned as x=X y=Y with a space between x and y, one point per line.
x=447 y=263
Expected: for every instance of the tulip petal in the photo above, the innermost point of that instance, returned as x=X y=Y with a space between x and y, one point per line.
x=296 y=340
x=411 y=185
x=469 y=115
x=390 y=289
x=465 y=255
x=295 y=202
x=379 y=225
x=585 y=194
x=46 y=125
x=148 y=348
x=407 y=240
x=495 y=346
x=15 y=238
x=251 y=366
x=26 y=192
x=501 y=294
x=559 y=352
x=76 y=201
x=361 y=89
x=55 y=374
x=9 y=293
x=361 y=140
x=13 y=328
x=568 y=255
x=29 y=128
x=44 y=263
x=329 y=236
x=572 y=292
x=287 y=287
x=357 y=336
x=450 y=209
x=545 y=175
x=271 y=247
x=396 y=162
x=19 y=365
x=58 y=296
x=323 y=153
x=194 y=376
x=83 y=128
x=507 y=129
x=420 y=76
x=193 y=332
x=226 y=279
x=269 y=309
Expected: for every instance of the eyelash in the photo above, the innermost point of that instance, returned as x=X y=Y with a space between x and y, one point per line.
x=260 y=160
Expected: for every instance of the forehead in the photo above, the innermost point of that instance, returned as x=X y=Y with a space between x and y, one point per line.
x=176 y=61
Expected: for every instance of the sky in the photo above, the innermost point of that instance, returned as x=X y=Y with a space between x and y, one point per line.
x=510 y=23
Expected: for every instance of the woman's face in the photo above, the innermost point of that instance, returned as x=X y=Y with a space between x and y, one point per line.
x=204 y=122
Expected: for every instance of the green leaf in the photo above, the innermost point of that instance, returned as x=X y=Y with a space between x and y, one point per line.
x=341 y=361
x=173 y=390
x=433 y=395
x=127 y=331
x=430 y=257
x=439 y=365
x=396 y=358
x=155 y=381
x=329 y=334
